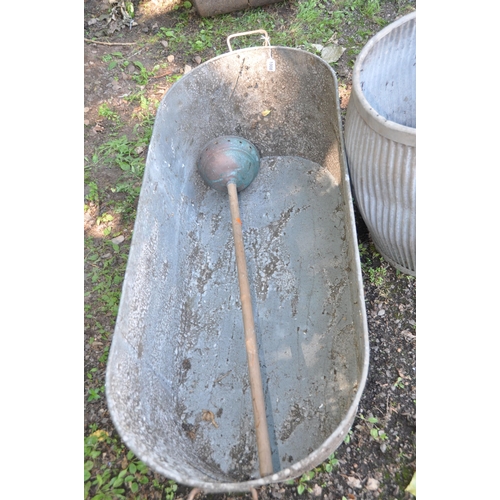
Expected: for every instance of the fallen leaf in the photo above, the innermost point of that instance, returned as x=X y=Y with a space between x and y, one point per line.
x=412 y=487
x=266 y=112
x=372 y=484
x=100 y=435
x=208 y=416
x=332 y=53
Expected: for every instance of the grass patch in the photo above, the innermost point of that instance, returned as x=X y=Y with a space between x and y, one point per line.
x=316 y=21
x=372 y=264
x=112 y=472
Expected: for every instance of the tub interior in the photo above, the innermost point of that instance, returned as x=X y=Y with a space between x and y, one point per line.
x=388 y=75
x=177 y=378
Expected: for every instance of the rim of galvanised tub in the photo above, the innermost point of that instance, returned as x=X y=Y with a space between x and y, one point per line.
x=387 y=128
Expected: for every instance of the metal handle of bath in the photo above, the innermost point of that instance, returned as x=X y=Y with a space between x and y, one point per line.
x=259 y=409
x=263 y=32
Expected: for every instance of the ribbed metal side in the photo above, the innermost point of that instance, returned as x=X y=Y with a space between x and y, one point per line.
x=384 y=183
x=380 y=140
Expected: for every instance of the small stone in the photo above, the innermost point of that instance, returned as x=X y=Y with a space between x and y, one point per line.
x=354 y=482
x=317 y=490
x=164 y=43
x=118 y=239
x=197 y=59
x=187 y=69
x=372 y=484
x=381 y=312
x=171 y=58
x=383 y=447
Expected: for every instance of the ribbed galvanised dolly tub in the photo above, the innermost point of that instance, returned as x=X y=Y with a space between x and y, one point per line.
x=380 y=138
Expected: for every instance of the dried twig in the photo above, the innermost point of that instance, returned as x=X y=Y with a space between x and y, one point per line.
x=107 y=43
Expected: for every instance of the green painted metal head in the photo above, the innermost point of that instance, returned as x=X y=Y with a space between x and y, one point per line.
x=228 y=159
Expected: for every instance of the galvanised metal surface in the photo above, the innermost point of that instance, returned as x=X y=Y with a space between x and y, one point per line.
x=177 y=378
x=207 y=8
x=380 y=138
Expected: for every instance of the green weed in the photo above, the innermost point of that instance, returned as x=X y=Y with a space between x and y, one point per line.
x=144 y=75
x=372 y=264
x=124 y=153
x=348 y=437
x=329 y=464
x=175 y=36
x=91 y=372
x=304 y=481
x=399 y=383
x=106 y=112
x=112 y=59
x=377 y=275
x=173 y=78
x=366 y=7
x=104 y=357
x=375 y=431
x=93 y=192
x=105 y=272
x=95 y=394
x=121 y=475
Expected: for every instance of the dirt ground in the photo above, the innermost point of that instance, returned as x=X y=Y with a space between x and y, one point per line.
x=368 y=468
